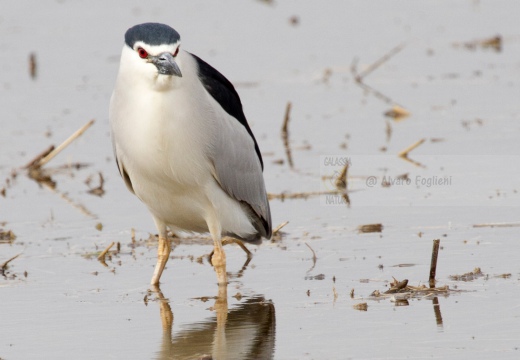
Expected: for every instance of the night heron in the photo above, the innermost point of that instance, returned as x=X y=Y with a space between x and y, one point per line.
x=183 y=145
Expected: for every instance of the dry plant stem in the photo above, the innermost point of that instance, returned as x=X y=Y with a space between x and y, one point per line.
x=300 y=195
x=101 y=256
x=496 y=225
x=314 y=258
x=279 y=227
x=341 y=182
x=380 y=62
x=405 y=152
x=4 y=265
x=64 y=144
x=285 y=134
x=358 y=77
x=433 y=265
x=38 y=157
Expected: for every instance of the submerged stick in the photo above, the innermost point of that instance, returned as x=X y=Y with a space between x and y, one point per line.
x=285 y=134
x=64 y=144
x=433 y=265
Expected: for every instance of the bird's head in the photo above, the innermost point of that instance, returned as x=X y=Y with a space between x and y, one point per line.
x=152 y=50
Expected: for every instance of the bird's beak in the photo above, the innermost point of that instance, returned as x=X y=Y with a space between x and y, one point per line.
x=166 y=64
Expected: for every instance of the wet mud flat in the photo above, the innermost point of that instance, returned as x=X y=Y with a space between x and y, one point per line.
x=376 y=142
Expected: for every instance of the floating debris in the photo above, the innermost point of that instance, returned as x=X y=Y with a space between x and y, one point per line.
x=492 y=225
x=361 y=306
x=285 y=134
x=315 y=277
x=98 y=190
x=494 y=43
x=397 y=113
x=470 y=276
x=370 y=228
x=33 y=66
x=7 y=236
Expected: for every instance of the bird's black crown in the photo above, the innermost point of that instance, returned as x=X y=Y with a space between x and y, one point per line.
x=151 y=34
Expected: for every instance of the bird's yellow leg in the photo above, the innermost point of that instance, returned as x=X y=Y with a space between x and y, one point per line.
x=218 y=260
x=163 y=254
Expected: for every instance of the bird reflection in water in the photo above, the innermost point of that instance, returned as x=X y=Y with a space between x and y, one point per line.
x=246 y=331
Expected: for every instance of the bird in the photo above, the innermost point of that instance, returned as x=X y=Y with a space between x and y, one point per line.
x=183 y=145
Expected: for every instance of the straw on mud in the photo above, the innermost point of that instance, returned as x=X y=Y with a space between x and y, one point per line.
x=33 y=66
x=39 y=157
x=64 y=144
x=405 y=152
x=4 y=265
x=300 y=195
x=380 y=62
x=279 y=227
x=433 y=265
x=341 y=181
x=314 y=258
x=496 y=225
x=358 y=77
x=101 y=256
x=285 y=134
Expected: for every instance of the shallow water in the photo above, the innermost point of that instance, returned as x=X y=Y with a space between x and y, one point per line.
x=57 y=301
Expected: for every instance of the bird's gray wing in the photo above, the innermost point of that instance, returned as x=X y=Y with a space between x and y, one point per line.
x=235 y=153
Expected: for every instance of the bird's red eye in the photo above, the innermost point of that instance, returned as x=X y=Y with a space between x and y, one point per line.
x=176 y=51
x=142 y=53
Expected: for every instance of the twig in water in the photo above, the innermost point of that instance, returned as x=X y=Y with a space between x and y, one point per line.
x=285 y=134
x=404 y=154
x=433 y=265
x=314 y=258
x=496 y=225
x=101 y=256
x=358 y=77
x=3 y=267
x=279 y=227
x=341 y=181
x=35 y=161
x=406 y=151
x=64 y=144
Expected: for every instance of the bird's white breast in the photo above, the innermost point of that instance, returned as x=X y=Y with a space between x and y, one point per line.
x=157 y=138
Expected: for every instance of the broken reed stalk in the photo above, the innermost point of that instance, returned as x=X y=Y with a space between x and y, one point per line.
x=285 y=134
x=37 y=158
x=279 y=227
x=101 y=256
x=341 y=181
x=4 y=265
x=358 y=77
x=379 y=62
x=433 y=265
x=64 y=144
x=405 y=152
